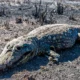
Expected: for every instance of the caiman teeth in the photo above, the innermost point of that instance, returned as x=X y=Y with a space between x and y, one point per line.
x=25 y=54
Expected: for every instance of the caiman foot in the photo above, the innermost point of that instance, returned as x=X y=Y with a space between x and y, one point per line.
x=53 y=56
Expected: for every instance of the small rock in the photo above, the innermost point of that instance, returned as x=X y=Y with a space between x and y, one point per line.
x=31 y=78
x=71 y=75
x=69 y=62
x=7 y=39
x=44 y=68
x=50 y=64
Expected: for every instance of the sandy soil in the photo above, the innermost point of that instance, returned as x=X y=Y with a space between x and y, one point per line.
x=39 y=68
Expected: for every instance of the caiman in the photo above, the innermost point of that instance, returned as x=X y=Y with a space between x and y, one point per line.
x=42 y=40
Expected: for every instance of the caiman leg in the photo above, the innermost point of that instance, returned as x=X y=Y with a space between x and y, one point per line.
x=52 y=56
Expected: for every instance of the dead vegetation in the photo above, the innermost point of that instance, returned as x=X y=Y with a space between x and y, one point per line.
x=43 y=13
x=60 y=8
x=19 y=20
x=72 y=18
x=6 y=25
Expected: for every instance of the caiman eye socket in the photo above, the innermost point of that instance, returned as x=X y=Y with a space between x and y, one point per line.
x=18 y=48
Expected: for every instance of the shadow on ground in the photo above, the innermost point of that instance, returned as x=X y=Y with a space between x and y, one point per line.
x=34 y=64
x=31 y=65
x=70 y=54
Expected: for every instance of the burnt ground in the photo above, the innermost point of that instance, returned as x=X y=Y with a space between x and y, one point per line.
x=39 y=68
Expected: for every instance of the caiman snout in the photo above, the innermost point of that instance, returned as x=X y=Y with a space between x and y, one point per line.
x=6 y=60
x=15 y=53
x=10 y=59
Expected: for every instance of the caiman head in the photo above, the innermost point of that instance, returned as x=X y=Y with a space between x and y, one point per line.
x=16 y=52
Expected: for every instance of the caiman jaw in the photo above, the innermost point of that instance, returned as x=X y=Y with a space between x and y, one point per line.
x=7 y=62
x=24 y=58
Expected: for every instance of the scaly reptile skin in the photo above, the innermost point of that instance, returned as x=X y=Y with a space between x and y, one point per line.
x=38 y=41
